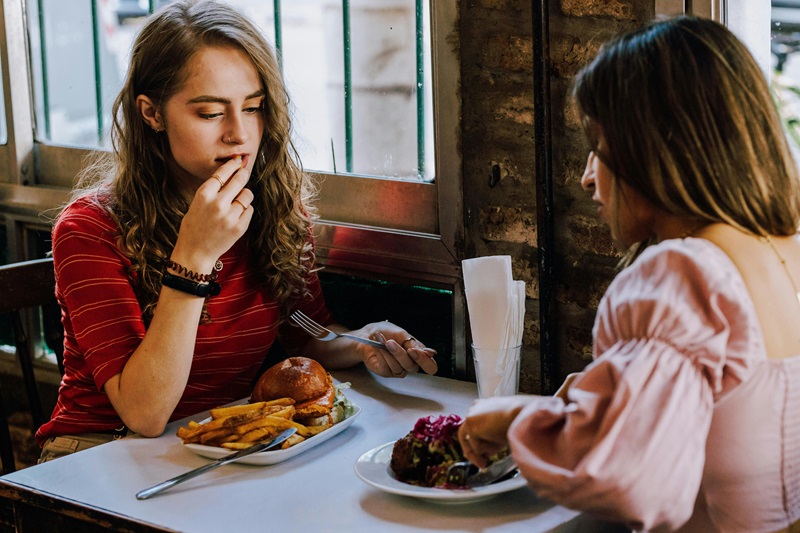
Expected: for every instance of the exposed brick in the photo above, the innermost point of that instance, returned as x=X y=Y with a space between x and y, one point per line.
x=508 y=53
x=501 y=5
x=496 y=50
x=518 y=109
x=569 y=54
x=617 y=9
x=591 y=235
x=517 y=55
x=510 y=224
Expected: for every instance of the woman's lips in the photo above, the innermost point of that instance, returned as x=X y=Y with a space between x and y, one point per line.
x=223 y=160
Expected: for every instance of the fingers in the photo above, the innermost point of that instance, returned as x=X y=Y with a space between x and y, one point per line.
x=395 y=358
x=227 y=187
x=406 y=356
x=421 y=355
x=480 y=440
x=244 y=200
x=225 y=174
x=471 y=445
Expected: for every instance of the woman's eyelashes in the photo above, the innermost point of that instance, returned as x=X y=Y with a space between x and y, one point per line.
x=250 y=110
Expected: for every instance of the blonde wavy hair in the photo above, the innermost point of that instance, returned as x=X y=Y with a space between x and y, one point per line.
x=132 y=184
x=690 y=124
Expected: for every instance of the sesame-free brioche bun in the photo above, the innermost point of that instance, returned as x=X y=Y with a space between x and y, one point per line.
x=303 y=380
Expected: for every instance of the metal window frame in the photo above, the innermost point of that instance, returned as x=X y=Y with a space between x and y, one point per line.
x=404 y=231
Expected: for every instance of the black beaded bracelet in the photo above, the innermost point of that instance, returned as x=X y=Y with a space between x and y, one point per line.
x=188 y=286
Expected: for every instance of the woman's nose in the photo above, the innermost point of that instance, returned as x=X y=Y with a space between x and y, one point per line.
x=236 y=133
x=587 y=180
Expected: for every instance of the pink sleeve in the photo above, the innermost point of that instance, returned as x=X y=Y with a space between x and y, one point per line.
x=628 y=445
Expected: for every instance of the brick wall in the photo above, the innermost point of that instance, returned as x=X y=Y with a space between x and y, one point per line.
x=499 y=158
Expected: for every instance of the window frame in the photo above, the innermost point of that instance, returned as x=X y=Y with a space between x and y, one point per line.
x=405 y=231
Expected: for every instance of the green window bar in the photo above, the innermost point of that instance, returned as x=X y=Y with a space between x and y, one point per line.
x=45 y=92
x=420 y=92
x=278 y=32
x=348 y=88
x=348 y=84
x=98 y=75
x=98 y=80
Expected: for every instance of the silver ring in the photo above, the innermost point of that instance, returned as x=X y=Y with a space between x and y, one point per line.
x=403 y=344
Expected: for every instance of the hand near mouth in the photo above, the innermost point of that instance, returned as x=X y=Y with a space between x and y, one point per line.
x=217 y=217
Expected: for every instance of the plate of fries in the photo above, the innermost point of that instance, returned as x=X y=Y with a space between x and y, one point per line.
x=233 y=428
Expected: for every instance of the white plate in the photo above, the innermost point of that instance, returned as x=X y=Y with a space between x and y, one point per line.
x=373 y=467
x=276 y=456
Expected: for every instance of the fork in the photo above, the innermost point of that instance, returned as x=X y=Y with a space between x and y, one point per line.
x=466 y=474
x=324 y=334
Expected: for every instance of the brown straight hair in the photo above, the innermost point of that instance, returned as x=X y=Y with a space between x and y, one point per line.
x=690 y=124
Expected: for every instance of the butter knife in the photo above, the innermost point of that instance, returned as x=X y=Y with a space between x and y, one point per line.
x=260 y=447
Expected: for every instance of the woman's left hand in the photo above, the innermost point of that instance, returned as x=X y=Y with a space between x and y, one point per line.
x=404 y=354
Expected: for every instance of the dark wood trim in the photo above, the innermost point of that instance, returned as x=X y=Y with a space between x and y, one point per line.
x=543 y=139
x=36 y=511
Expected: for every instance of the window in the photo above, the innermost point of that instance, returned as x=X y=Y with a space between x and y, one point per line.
x=3 y=125
x=386 y=158
x=356 y=72
x=362 y=75
x=747 y=19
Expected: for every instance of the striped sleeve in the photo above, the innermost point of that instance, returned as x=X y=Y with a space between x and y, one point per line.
x=92 y=281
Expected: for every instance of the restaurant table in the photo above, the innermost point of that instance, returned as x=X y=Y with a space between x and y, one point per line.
x=317 y=490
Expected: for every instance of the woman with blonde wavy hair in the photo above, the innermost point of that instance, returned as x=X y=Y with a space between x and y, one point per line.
x=688 y=418
x=184 y=250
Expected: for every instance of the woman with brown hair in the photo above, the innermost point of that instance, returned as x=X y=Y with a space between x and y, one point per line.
x=185 y=250
x=688 y=418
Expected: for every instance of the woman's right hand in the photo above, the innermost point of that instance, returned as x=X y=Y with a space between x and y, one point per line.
x=217 y=217
x=483 y=432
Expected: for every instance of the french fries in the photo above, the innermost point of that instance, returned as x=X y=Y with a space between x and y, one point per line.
x=241 y=426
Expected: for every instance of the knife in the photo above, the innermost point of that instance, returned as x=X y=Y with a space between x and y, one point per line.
x=491 y=473
x=260 y=447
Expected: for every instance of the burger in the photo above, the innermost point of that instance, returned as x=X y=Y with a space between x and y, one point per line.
x=317 y=400
x=423 y=456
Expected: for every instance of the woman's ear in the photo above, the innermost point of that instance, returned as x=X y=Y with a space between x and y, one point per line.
x=150 y=113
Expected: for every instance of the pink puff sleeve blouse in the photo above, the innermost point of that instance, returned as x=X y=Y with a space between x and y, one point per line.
x=681 y=422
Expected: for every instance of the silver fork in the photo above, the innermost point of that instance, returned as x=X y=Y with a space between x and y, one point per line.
x=324 y=334
x=466 y=474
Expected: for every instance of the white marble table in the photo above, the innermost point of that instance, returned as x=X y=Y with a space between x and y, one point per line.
x=314 y=491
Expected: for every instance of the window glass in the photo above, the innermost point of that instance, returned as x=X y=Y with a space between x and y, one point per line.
x=6 y=328
x=3 y=122
x=785 y=81
x=358 y=73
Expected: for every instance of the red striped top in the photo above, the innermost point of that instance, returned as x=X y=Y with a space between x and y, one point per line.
x=103 y=326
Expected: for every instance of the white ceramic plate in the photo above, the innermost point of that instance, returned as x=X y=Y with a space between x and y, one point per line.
x=373 y=467
x=276 y=456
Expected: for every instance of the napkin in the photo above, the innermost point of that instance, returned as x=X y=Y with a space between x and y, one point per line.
x=496 y=308
x=487 y=286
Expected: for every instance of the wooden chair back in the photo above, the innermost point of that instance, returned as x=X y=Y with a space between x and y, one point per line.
x=24 y=286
